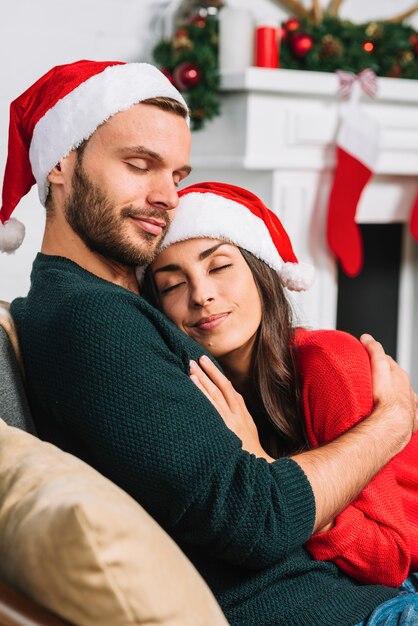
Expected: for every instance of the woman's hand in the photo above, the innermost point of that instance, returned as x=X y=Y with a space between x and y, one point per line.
x=229 y=404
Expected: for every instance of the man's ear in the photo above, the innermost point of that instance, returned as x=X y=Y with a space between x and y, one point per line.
x=63 y=170
x=55 y=175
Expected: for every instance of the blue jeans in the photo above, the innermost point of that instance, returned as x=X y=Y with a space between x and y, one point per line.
x=400 y=611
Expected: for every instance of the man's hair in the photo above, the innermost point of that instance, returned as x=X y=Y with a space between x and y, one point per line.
x=165 y=104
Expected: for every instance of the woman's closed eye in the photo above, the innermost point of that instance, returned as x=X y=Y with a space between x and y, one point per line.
x=220 y=267
x=165 y=290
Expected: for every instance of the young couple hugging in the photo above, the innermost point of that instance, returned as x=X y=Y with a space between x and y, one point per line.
x=293 y=490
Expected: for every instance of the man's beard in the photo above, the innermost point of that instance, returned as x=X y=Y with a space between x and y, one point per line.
x=92 y=216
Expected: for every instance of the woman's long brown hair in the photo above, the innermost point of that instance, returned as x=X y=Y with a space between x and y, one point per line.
x=274 y=401
x=273 y=371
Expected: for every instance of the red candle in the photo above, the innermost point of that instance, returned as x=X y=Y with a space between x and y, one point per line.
x=267 y=46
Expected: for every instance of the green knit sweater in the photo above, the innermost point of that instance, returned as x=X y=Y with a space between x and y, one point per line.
x=108 y=381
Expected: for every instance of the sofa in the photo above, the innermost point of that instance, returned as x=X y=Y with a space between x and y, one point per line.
x=75 y=549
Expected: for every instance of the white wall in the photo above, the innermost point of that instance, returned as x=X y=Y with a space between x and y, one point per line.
x=38 y=34
x=35 y=35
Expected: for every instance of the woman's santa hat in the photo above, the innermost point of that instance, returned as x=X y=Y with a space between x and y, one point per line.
x=60 y=111
x=222 y=211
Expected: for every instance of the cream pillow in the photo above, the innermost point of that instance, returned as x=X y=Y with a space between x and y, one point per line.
x=80 y=546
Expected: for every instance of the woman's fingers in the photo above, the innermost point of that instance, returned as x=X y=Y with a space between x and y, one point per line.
x=209 y=388
x=199 y=385
x=220 y=380
x=229 y=404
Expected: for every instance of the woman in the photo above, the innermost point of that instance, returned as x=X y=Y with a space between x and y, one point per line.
x=220 y=278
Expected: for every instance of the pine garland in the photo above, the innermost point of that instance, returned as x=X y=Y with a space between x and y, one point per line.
x=388 y=48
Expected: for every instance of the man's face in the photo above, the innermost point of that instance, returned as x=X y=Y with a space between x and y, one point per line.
x=124 y=183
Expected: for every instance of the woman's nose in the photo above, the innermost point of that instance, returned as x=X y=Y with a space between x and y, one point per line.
x=201 y=295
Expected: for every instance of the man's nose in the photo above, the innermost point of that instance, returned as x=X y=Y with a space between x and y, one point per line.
x=164 y=194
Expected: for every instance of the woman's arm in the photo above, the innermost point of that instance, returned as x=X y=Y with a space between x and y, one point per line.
x=369 y=540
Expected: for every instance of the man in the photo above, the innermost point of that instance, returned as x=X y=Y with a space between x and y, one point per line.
x=108 y=376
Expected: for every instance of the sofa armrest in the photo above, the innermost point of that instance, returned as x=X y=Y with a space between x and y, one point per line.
x=18 y=610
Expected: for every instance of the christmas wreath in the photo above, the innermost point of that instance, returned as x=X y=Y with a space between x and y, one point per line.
x=190 y=61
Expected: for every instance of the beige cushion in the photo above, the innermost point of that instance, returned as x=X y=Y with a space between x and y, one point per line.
x=77 y=544
x=7 y=323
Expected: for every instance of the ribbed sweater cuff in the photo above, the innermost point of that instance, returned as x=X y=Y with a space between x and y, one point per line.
x=297 y=491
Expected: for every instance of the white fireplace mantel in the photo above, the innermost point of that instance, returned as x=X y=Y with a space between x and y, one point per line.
x=291 y=118
x=276 y=135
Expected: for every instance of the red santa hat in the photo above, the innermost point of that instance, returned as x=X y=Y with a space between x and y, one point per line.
x=223 y=211
x=60 y=111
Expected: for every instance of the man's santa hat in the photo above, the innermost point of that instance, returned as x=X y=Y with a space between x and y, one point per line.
x=60 y=111
x=222 y=211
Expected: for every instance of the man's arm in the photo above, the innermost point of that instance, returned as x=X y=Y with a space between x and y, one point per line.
x=339 y=470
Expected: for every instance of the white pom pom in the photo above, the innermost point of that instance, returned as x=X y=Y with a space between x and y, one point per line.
x=12 y=234
x=297 y=276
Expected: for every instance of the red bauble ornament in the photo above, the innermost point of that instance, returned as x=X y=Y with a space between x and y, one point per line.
x=187 y=75
x=282 y=33
x=167 y=74
x=301 y=43
x=368 y=46
x=291 y=25
x=396 y=71
x=181 y=32
x=198 y=20
x=415 y=49
x=413 y=39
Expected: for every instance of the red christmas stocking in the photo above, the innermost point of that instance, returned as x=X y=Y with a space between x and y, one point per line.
x=413 y=222
x=357 y=151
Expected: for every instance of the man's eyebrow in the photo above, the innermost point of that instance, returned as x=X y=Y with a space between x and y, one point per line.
x=142 y=151
x=173 y=267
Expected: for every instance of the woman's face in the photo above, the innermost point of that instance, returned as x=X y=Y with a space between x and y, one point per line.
x=206 y=287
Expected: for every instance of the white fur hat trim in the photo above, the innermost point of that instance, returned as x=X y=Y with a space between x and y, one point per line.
x=212 y=215
x=75 y=117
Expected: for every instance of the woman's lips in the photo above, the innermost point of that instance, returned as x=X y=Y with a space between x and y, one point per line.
x=209 y=323
x=150 y=225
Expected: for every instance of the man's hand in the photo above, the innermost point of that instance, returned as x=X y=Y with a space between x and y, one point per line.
x=392 y=390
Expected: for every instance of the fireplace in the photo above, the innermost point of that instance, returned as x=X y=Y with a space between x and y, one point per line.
x=371 y=300
x=276 y=136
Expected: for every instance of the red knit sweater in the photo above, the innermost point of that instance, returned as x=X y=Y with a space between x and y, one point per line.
x=375 y=539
